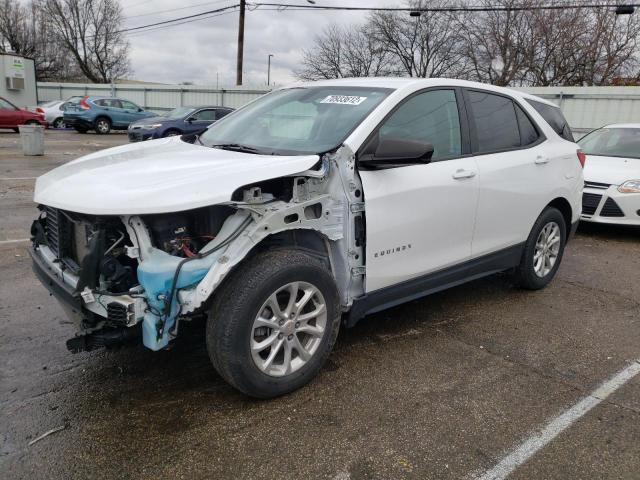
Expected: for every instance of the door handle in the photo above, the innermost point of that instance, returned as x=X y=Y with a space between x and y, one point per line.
x=461 y=174
x=540 y=160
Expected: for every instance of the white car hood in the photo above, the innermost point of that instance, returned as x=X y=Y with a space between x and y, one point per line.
x=611 y=170
x=158 y=176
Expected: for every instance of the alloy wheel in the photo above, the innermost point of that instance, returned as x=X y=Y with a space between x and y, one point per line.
x=102 y=126
x=289 y=328
x=547 y=249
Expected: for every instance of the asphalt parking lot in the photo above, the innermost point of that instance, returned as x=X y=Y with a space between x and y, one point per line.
x=443 y=387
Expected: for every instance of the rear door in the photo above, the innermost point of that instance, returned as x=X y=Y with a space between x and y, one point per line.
x=420 y=218
x=516 y=166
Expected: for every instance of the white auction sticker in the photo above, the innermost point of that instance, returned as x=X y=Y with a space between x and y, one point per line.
x=344 y=99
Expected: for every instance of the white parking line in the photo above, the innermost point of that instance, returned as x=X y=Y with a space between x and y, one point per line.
x=20 y=240
x=556 y=426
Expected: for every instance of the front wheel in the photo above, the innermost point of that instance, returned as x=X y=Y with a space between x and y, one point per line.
x=543 y=250
x=273 y=323
x=58 y=123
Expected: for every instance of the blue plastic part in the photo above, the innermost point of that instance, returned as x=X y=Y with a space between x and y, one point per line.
x=155 y=274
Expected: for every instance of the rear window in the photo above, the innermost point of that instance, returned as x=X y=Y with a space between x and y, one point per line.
x=554 y=117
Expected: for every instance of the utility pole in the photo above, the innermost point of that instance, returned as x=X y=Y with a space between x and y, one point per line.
x=243 y=4
x=269 y=69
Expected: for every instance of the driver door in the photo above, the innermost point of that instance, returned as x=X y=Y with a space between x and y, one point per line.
x=420 y=218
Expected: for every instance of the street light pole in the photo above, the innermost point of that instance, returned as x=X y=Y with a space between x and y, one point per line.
x=269 y=69
x=243 y=4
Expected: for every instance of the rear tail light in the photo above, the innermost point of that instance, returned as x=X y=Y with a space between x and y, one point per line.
x=39 y=110
x=83 y=104
x=581 y=157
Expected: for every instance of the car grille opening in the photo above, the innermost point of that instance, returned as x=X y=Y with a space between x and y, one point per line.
x=590 y=202
x=58 y=230
x=611 y=209
x=598 y=185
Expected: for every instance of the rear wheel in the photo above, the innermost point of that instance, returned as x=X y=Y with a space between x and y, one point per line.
x=58 y=123
x=273 y=323
x=102 y=125
x=543 y=250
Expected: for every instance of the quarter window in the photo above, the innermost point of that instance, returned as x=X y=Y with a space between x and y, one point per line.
x=494 y=117
x=554 y=117
x=429 y=117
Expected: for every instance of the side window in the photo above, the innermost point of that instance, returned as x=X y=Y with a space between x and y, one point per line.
x=129 y=105
x=113 y=103
x=554 y=117
x=494 y=117
x=222 y=113
x=100 y=103
x=528 y=132
x=430 y=117
x=204 y=115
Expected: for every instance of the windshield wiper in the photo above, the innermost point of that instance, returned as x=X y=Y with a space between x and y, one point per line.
x=236 y=147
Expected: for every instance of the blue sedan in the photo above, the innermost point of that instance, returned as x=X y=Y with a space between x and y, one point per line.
x=182 y=120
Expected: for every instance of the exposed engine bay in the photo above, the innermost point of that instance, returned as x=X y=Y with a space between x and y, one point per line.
x=141 y=275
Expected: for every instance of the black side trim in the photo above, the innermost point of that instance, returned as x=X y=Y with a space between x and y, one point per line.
x=55 y=285
x=434 y=282
x=572 y=232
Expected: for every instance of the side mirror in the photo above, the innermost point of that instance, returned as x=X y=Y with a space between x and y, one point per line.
x=140 y=109
x=190 y=119
x=393 y=152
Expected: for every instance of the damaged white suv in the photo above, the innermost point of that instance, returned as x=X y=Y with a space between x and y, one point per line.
x=310 y=207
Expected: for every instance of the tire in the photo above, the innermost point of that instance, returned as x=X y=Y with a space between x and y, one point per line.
x=543 y=250
x=32 y=122
x=102 y=125
x=17 y=130
x=58 y=123
x=233 y=327
x=171 y=133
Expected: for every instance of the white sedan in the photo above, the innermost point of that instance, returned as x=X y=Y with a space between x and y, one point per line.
x=612 y=175
x=53 y=111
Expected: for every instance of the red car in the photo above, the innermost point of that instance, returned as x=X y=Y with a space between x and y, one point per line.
x=11 y=116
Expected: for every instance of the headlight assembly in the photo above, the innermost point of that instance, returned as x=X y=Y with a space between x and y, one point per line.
x=630 y=186
x=151 y=127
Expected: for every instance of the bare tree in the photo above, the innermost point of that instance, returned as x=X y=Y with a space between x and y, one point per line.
x=498 y=44
x=344 y=52
x=23 y=32
x=424 y=46
x=90 y=31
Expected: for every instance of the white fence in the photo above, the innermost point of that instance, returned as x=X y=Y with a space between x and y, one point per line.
x=157 y=98
x=586 y=108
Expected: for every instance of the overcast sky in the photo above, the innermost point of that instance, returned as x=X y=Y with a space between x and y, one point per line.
x=197 y=51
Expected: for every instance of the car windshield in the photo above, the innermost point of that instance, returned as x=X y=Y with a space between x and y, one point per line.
x=295 y=121
x=50 y=104
x=612 y=142
x=179 y=112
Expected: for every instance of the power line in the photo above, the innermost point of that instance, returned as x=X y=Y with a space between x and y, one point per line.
x=165 y=22
x=498 y=8
x=174 y=9
x=153 y=29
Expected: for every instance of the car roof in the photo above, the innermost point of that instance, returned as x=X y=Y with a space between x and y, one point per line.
x=206 y=106
x=399 y=83
x=623 y=125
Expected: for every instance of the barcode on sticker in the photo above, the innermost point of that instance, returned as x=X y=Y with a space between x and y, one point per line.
x=344 y=99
